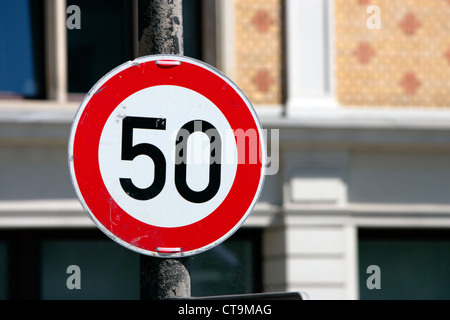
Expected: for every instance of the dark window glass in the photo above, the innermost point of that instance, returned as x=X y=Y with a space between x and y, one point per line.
x=35 y=264
x=105 y=39
x=3 y=270
x=21 y=53
x=103 y=42
x=192 y=28
x=234 y=267
x=413 y=264
x=107 y=271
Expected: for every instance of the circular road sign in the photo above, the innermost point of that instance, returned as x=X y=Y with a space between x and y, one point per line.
x=167 y=156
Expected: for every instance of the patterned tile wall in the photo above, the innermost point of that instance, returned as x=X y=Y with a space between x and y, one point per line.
x=258 y=50
x=404 y=63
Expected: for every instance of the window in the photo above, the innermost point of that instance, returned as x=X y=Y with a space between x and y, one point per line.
x=107 y=271
x=413 y=263
x=192 y=29
x=104 y=41
x=3 y=271
x=234 y=267
x=33 y=265
x=21 y=57
x=46 y=60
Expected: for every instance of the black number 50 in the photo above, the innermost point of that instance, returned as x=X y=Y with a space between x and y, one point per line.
x=129 y=152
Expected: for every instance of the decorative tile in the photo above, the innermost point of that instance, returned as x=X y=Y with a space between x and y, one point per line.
x=262 y=20
x=406 y=63
x=364 y=52
x=258 y=50
x=409 y=24
x=363 y=2
x=447 y=54
x=410 y=83
x=263 y=80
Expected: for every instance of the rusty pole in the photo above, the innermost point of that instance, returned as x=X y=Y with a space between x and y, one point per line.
x=161 y=32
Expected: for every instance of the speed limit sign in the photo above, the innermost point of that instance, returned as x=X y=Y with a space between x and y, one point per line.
x=167 y=156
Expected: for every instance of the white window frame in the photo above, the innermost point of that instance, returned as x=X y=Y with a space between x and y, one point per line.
x=56 y=50
x=309 y=55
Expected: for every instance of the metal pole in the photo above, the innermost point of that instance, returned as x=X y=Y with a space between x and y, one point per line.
x=161 y=32
x=160 y=27
x=162 y=279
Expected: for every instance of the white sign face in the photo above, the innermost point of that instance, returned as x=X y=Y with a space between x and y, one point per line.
x=167 y=156
x=178 y=106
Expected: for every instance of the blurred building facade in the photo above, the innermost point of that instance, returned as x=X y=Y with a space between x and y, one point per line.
x=359 y=91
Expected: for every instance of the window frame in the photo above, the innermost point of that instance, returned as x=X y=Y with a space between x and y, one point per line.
x=56 y=50
x=312 y=30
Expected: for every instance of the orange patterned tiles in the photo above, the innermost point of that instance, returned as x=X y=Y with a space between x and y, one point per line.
x=409 y=24
x=364 y=52
x=447 y=54
x=262 y=20
x=405 y=63
x=258 y=36
x=410 y=83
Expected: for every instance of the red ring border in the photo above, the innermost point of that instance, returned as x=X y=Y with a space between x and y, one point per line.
x=113 y=220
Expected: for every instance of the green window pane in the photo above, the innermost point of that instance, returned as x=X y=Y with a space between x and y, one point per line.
x=414 y=264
